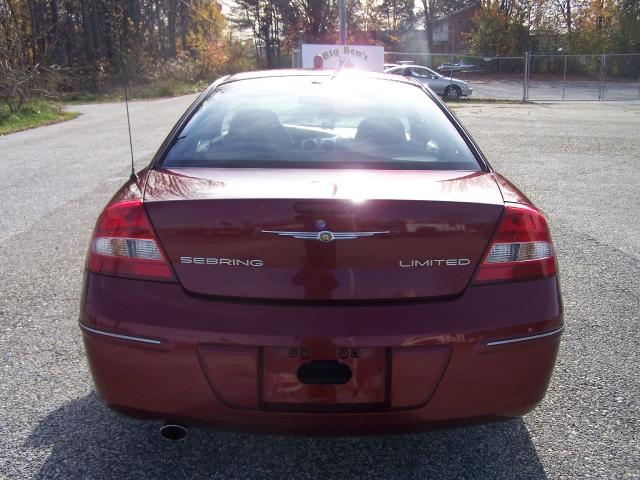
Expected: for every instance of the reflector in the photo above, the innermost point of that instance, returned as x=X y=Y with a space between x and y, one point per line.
x=519 y=252
x=127 y=247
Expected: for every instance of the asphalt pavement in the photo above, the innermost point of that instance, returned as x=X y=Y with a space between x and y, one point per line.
x=579 y=162
x=545 y=90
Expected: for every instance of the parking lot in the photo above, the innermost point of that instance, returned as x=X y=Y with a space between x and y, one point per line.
x=579 y=162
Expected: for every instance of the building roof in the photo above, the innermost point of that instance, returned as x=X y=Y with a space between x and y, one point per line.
x=446 y=17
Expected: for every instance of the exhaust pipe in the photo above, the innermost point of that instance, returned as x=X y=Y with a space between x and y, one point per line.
x=174 y=432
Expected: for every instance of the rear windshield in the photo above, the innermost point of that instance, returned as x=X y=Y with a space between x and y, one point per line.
x=320 y=122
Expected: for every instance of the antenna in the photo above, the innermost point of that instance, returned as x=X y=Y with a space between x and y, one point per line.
x=125 y=83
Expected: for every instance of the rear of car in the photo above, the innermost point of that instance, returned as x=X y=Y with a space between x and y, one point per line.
x=320 y=253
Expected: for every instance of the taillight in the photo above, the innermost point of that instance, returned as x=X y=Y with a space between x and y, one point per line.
x=521 y=248
x=125 y=245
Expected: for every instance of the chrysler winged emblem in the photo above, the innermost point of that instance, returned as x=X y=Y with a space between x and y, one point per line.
x=325 y=235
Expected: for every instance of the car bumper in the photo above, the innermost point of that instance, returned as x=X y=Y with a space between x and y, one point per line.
x=158 y=352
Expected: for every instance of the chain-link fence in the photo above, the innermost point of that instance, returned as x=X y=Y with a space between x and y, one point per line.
x=622 y=77
x=606 y=77
x=583 y=77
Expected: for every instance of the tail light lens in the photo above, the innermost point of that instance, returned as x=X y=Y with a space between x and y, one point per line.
x=125 y=245
x=521 y=248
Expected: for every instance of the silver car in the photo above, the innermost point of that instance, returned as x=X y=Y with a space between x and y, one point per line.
x=446 y=86
x=456 y=67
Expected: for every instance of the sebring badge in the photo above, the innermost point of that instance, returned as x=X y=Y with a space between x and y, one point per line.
x=325 y=235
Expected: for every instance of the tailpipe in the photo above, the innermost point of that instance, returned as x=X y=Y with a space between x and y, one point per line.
x=174 y=432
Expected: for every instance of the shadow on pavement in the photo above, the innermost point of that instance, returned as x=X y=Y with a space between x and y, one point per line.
x=86 y=440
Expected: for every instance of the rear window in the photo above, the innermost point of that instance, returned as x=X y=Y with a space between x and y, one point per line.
x=320 y=122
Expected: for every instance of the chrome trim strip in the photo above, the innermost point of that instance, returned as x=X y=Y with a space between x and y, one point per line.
x=524 y=339
x=121 y=337
x=333 y=235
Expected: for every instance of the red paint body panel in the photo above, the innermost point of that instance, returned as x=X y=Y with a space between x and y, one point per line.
x=478 y=382
x=232 y=372
x=188 y=184
x=428 y=215
x=416 y=373
x=509 y=191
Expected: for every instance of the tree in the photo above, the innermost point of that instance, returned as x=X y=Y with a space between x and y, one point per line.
x=397 y=15
x=318 y=19
x=500 y=29
x=564 y=7
x=428 y=12
x=628 y=31
x=264 y=19
x=89 y=37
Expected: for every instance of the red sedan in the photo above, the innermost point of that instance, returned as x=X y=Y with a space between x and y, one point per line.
x=320 y=252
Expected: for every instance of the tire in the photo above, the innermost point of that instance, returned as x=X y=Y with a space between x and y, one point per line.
x=453 y=92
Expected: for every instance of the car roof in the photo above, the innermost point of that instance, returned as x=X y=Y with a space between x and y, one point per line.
x=410 y=66
x=290 y=72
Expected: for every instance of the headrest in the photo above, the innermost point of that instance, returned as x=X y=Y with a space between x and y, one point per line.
x=255 y=125
x=381 y=131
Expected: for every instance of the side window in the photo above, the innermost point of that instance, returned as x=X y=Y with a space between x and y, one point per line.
x=420 y=72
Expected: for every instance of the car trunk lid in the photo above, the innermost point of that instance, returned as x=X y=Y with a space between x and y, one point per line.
x=323 y=234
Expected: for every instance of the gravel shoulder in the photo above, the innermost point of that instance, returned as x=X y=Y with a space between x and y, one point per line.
x=579 y=162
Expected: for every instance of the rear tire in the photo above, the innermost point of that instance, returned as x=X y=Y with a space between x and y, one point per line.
x=453 y=92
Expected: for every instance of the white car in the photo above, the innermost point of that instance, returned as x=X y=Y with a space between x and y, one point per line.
x=448 y=87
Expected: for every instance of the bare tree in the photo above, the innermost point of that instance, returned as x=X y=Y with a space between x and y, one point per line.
x=564 y=7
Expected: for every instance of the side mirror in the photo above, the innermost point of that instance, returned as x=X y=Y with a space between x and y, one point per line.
x=406 y=72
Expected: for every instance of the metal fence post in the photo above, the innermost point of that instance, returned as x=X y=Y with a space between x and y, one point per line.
x=564 y=77
x=525 y=84
x=451 y=58
x=603 y=66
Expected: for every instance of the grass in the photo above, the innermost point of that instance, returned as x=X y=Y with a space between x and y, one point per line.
x=137 y=92
x=34 y=113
